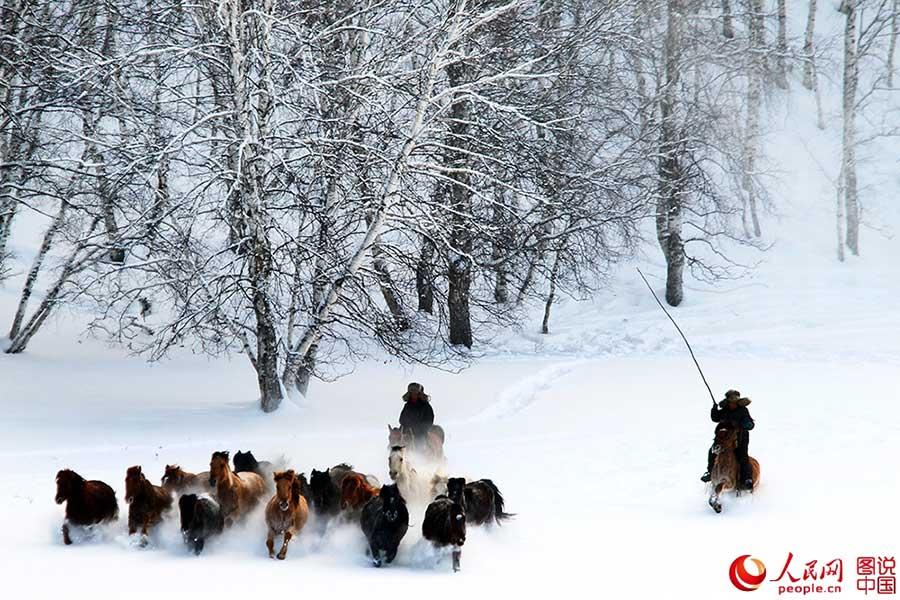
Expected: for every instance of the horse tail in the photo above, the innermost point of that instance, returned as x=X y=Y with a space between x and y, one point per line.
x=499 y=514
x=439 y=431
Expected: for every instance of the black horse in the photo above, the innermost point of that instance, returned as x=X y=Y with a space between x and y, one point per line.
x=445 y=519
x=483 y=502
x=201 y=518
x=384 y=522
x=246 y=462
x=325 y=489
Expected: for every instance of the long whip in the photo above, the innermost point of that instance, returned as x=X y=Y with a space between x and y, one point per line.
x=686 y=343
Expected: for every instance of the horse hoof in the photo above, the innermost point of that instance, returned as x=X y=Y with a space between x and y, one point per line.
x=281 y=556
x=376 y=563
x=717 y=508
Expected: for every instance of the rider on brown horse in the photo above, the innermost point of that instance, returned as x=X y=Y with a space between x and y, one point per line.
x=417 y=415
x=733 y=409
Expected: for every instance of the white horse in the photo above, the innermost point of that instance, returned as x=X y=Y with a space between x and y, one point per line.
x=416 y=487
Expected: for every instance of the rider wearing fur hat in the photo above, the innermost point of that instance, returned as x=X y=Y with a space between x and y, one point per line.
x=733 y=409
x=417 y=415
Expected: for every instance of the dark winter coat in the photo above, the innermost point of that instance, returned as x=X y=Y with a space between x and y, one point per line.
x=739 y=417
x=417 y=416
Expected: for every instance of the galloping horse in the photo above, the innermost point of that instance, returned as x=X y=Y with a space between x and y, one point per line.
x=177 y=480
x=237 y=494
x=432 y=447
x=87 y=502
x=725 y=469
x=286 y=512
x=146 y=502
x=415 y=486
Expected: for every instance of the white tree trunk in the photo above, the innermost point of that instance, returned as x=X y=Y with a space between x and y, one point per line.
x=781 y=48
x=892 y=44
x=754 y=100
x=809 y=55
x=848 y=162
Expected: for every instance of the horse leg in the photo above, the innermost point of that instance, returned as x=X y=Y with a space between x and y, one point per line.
x=270 y=542
x=198 y=546
x=287 y=540
x=376 y=555
x=714 y=498
x=457 y=555
x=65 y=531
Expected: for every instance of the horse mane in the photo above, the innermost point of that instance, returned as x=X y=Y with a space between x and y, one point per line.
x=342 y=466
x=295 y=490
x=221 y=454
x=397 y=448
x=71 y=475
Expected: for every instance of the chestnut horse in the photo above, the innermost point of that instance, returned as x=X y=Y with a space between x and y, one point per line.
x=237 y=494
x=87 y=502
x=146 y=502
x=177 y=480
x=286 y=512
x=355 y=492
x=432 y=447
x=725 y=469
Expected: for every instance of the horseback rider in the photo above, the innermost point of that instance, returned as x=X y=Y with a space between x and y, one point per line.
x=417 y=415
x=733 y=409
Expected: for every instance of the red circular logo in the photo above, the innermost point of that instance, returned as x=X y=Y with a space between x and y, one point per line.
x=743 y=579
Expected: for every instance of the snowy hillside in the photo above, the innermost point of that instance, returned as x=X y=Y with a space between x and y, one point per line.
x=595 y=433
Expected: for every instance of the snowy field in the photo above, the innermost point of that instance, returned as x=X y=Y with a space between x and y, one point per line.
x=596 y=434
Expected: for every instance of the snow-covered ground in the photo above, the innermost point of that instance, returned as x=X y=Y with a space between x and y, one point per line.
x=596 y=434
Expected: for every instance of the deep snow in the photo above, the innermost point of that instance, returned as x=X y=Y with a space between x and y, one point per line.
x=596 y=434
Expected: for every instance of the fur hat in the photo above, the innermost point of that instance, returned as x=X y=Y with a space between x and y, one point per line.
x=735 y=396
x=415 y=388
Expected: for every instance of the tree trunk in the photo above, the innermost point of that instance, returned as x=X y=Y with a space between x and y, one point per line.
x=848 y=163
x=425 y=276
x=892 y=44
x=28 y=287
x=669 y=217
x=727 y=20
x=459 y=261
x=501 y=244
x=551 y=294
x=809 y=56
x=781 y=48
x=751 y=134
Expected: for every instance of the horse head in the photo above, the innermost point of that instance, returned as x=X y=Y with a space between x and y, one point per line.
x=726 y=438
x=456 y=490
x=245 y=461
x=319 y=483
x=391 y=502
x=395 y=436
x=396 y=462
x=67 y=483
x=286 y=488
x=187 y=506
x=218 y=467
x=171 y=476
x=134 y=481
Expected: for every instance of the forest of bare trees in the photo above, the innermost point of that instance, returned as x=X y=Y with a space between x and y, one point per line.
x=306 y=181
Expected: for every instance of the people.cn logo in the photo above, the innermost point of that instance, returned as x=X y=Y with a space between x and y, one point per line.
x=742 y=578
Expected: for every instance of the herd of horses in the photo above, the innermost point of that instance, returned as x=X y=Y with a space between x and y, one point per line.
x=210 y=502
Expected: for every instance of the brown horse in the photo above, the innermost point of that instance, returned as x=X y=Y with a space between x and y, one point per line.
x=355 y=492
x=286 y=512
x=87 y=502
x=177 y=480
x=432 y=447
x=725 y=469
x=237 y=494
x=146 y=502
